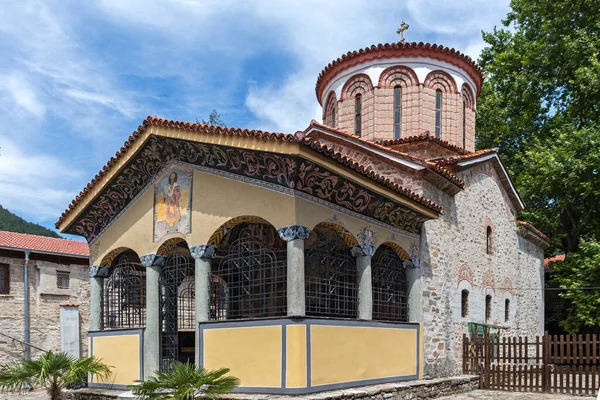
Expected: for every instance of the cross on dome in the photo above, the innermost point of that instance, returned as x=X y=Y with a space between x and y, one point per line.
x=403 y=27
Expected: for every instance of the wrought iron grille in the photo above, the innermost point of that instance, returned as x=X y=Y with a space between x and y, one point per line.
x=186 y=304
x=330 y=277
x=124 y=299
x=250 y=279
x=175 y=271
x=62 y=279
x=390 y=301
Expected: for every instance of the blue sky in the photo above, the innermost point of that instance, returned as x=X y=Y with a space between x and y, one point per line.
x=77 y=77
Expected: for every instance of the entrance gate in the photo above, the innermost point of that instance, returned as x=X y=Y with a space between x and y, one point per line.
x=175 y=300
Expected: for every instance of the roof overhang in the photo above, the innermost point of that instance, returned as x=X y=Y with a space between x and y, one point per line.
x=49 y=253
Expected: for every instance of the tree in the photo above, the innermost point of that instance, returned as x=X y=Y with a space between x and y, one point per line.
x=13 y=223
x=541 y=106
x=185 y=381
x=52 y=371
x=214 y=119
x=580 y=274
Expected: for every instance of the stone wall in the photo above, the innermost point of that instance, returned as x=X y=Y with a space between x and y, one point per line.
x=453 y=252
x=45 y=300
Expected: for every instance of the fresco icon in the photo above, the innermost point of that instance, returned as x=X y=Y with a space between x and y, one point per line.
x=173 y=203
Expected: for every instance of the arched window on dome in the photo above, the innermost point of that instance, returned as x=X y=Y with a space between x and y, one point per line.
x=397 y=112
x=438 y=113
x=330 y=115
x=357 y=114
x=464 y=124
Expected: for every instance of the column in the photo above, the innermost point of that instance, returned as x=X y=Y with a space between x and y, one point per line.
x=97 y=275
x=203 y=255
x=295 y=235
x=363 y=254
x=153 y=264
x=415 y=290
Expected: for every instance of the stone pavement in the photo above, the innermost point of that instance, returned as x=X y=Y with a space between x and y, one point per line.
x=499 y=395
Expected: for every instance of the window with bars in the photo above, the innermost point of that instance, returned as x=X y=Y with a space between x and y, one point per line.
x=62 y=279
x=357 y=114
x=464 y=303
x=397 y=112
x=330 y=276
x=488 y=307
x=124 y=300
x=4 y=279
x=438 y=113
x=390 y=300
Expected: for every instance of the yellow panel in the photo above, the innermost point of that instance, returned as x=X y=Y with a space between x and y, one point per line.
x=347 y=354
x=421 y=352
x=122 y=353
x=296 y=356
x=253 y=354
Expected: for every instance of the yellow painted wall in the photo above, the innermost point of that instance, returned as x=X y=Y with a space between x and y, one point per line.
x=253 y=354
x=215 y=201
x=122 y=353
x=346 y=353
x=296 y=356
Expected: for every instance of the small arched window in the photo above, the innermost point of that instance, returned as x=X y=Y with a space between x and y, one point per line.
x=438 y=113
x=357 y=114
x=397 y=111
x=488 y=242
x=488 y=307
x=506 y=310
x=464 y=303
x=464 y=124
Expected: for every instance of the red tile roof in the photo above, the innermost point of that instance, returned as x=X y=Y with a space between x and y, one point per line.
x=43 y=244
x=549 y=261
x=533 y=229
x=389 y=50
x=464 y=157
x=423 y=137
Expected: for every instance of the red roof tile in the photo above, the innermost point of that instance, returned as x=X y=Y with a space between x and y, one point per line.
x=389 y=50
x=464 y=157
x=423 y=137
x=43 y=244
x=533 y=229
x=549 y=261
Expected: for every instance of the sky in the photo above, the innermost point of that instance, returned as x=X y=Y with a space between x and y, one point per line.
x=78 y=77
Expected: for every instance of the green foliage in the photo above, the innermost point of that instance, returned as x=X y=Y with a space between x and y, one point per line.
x=214 y=119
x=13 y=223
x=185 y=381
x=52 y=371
x=580 y=272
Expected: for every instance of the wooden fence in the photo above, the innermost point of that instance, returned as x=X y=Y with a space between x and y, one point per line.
x=550 y=364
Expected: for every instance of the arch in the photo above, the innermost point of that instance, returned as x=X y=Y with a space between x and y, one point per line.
x=330 y=110
x=359 y=84
x=399 y=250
x=348 y=237
x=168 y=245
x=398 y=76
x=440 y=80
x=249 y=277
x=390 y=286
x=467 y=95
x=217 y=237
x=330 y=274
x=124 y=294
x=109 y=258
x=465 y=286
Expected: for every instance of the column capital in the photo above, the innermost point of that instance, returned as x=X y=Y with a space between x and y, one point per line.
x=203 y=251
x=413 y=262
x=151 y=259
x=97 y=271
x=363 y=250
x=294 y=232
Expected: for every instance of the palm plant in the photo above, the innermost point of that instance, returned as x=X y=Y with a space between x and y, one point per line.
x=52 y=371
x=185 y=381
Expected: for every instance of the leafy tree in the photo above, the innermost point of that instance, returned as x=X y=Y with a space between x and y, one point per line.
x=214 y=119
x=53 y=371
x=185 y=381
x=580 y=273
x=540 y=105
x=13 y=223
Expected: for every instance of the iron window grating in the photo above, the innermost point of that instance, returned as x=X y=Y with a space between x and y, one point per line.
x=390 y=299
x=4 y=279
x=124 y=300
x=63 y=279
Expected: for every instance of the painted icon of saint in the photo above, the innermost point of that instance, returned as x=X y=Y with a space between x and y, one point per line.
x=171 y=197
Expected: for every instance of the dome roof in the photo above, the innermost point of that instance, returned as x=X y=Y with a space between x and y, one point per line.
x=393 y=50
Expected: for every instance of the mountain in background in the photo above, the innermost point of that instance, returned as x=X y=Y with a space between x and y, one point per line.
x=14 y=223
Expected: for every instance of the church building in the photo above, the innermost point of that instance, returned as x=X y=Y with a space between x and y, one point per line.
x=356 y=251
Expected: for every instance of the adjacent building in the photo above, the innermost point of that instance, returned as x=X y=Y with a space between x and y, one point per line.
x=54 y=302
x=356 y=251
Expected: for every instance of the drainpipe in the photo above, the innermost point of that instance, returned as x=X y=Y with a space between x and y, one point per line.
x=27 y=350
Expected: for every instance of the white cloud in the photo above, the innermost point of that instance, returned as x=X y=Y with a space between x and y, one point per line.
x=22 y=93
